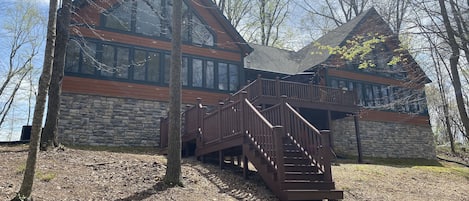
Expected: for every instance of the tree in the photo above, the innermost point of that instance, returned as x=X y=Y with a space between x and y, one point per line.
x=49 y=135
x=235 y=11
x=451 y=34
x=333 y=13
x=28 y=179
x=270 y=17
x=22 y=32
x=173 y=169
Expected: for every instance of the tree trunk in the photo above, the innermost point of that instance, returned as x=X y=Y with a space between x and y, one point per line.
x=49 y=135
x=454 y=60
x=28 y=179
x=173 y=169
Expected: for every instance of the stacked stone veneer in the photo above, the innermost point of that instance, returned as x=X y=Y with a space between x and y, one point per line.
x=383 y=139
x=109 y=121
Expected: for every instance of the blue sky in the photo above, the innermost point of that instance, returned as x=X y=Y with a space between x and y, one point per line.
x=18 y=115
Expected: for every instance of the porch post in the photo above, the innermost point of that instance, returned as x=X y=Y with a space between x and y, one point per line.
x=329 y=125
x=357 y=135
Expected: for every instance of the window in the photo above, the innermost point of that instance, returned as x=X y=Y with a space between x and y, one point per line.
x=148 y=18
x=153 y=18
x=368 y=96
x=120 y=17
x=167 y=66
x=334 y=84
x=210 y=75
x=138 y=64
x=140 y=60
x=73 y=56
x=234 y=77
x=384 y=94
x=185 y=72
x=197 y=73
x=200 y=33
x=122 y=62
x=88 y=55
x=107 y=61
x=361 y=100
x=376 y=95
x=222 y=76
x=153 y=66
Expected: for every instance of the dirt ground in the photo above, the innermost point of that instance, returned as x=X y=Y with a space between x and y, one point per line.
x=75 y=174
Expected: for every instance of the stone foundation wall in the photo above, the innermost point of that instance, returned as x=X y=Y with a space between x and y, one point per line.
x=109 y=121
x=383 y=139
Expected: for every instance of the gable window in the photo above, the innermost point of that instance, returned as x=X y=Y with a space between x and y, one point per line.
x=119 y=17
x=153 y=18
x=148 y=18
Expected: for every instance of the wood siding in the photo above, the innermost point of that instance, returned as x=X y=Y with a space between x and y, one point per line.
x=383 y=116
x=132 y=90
x=363 y=77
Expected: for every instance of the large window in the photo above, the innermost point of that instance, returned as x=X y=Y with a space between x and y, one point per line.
x=110 y=61
x=384 y=97
x=153 y=19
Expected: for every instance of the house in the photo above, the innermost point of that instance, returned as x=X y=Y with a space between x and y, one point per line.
x=115 y=87
x=393 y=119
x=286 y=112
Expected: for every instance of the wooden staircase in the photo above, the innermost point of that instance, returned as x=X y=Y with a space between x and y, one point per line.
x=291 y=155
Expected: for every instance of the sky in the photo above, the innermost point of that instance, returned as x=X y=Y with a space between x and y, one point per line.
x=18 y=115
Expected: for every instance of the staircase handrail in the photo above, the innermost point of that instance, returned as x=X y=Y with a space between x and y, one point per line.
x=315 y=144
x=266 y=137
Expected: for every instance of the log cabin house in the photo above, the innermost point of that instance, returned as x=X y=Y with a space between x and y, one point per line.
x=115 y=93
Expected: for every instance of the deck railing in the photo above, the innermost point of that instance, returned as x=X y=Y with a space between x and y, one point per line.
x=275 y=88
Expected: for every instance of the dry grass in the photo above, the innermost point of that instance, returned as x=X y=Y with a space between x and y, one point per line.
x=91 y=173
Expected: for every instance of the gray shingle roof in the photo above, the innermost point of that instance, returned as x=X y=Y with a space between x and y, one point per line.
x=289 y=62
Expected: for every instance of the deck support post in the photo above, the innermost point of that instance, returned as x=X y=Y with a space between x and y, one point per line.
x=359 y=141
x=221 y=159
x=329 y=125
x=238 y=161
x=327 y=155
x=278 y=133
x=220 y=106
x=245 y=167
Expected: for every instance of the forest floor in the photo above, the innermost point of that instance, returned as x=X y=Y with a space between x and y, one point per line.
x=77 y=174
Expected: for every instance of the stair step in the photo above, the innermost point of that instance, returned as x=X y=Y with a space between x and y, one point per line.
x=300 y=168
x=314 y=194
x=305 y=185
x=296 y=160
x=303 y=176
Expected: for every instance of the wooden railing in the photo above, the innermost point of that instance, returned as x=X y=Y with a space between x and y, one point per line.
x=266 y=138
x=271 y=88
x=313 y=143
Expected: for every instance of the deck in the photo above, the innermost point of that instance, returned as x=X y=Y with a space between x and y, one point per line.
x=289 y=153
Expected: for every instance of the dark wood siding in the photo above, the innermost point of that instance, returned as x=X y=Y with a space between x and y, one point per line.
x=132 y=90
x=383 y=116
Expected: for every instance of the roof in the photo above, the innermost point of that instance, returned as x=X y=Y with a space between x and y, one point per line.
x=333 y=38
x=288 y=62
x=271 y=59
